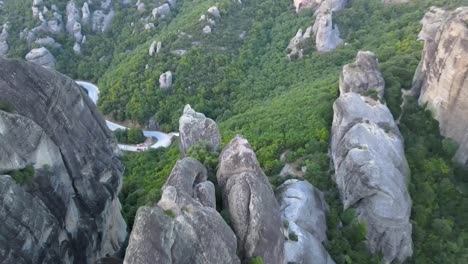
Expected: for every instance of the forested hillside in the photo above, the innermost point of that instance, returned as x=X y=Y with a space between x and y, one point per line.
x=240 y=76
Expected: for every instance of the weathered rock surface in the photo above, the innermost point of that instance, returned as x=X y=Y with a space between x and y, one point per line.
x=86 y=13
x=371 y=172
x=181 y=228
x=327 y=35
x=162 y=11
x=196 y=127
x=248 y=197
x=69 y=211
x=3 y=41
x=362 y=76
x=303 y=210
x=165 y=80
x=442 y=76
x=42 y=57
x=72 y=16
x=296 y=45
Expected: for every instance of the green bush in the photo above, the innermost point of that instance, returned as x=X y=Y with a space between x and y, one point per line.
x=293 y=236
x=7 y=107
x=23 y=176
x=255 y=260
x=129 y=136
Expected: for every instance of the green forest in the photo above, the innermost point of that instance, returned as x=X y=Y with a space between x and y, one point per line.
x=250 y=87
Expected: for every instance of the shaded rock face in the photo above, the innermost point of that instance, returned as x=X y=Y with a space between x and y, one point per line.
x=182 y=228
x=442 y=76
x=303 y=210
x=362 y=76
x=327 y=35
x=195 y=127
x=371 y=172
x=42 y=57
x=248 y=197
x=69 y=211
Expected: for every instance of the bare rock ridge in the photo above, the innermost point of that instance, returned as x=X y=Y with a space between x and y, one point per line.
x=68 y=211
x=248 y=196
x=441 y=80
x=303 y=210
x=371 y=170
x=184 y=227
x=195 y=127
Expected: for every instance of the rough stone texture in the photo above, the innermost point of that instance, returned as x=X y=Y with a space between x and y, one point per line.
x=165 y=80
x=42 y=57
x=73 y=16
x=371 y=172
x=327 y=35
x=162 y=11
x=70 y=212
x=180 y=229
x=362 y=76
x=3 y=41
x=248 y=197
x=195 y=127
x=442 y=76
x=152 y=48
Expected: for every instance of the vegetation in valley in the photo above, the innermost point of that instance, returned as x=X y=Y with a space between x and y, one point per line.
x=129 y=136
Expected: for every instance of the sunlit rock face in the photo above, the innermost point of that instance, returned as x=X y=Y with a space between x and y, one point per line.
x=441 y=80
x=68 y=210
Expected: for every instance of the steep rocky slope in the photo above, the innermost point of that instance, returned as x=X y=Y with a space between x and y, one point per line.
x=371 y=171
x=65 y=210
x=441 y=80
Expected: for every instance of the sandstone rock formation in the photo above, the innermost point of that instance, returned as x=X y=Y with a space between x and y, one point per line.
x=165 y=80
x=363 y=76
x=42 y=57
x=303 y=210
x=3 y=41
x=327 y=35
x=195 y=127
x=441 y=80
x=184 y=227
x=253 y=209
x=371 y=172
x=68 y=211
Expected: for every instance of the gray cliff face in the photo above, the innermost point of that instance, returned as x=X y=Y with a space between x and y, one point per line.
x=183 y=228
x=362 y=76
x=195 y=127
x=303 y=208
x=249 y=199
x=327 y=35
x=371 y=172
x=442 y=76
x=69 y=212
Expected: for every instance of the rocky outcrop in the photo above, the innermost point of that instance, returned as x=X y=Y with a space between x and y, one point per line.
x=214 y=11
x=165 y=80
x=303 y=210
x=196 y=127
x=333 y=5
x=102 y=21
x=395 y=1
x=152 y=48
x=363 y=76
x=371 y=172
x=42 y=57
x=68 y=210
x=162 y=11
x=86 y=13
x=441 y=80
x=72 y=16
x=48 y=41
x=184 y=227
x=3 y=41
x=249 y=199
x=327 y=35
x=296 y=45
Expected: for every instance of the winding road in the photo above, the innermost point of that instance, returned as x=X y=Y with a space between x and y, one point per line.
x=164 y=140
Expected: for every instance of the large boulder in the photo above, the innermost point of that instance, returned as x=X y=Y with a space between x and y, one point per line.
x=196 y=127
x=42 y=57
x=64 y=208
x=371 y=172
x=165 y=80
x=303 y=210
x=249 y=199
x=161 y=11
x=181 y=229
x=363 y=76
x=441 y=79
x=327 y=35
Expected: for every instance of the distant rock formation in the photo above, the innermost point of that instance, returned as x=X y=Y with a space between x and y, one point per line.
x=165 y=80
x=68 y=210
x=42 y=57
x=162 y=11
x=184 y=227
x=102 y=21
x=72 y=16
x=3 y=41
x=371 y=172
x=327 y=35
x=195 y=127
x=303 y=210
x=395 y=1
x=152 y=48
x=333 y=5
x=363 y=76
x=441 y=80
x=214 y=11
x=296 y=45
x=253 y=209
x=86 y=13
